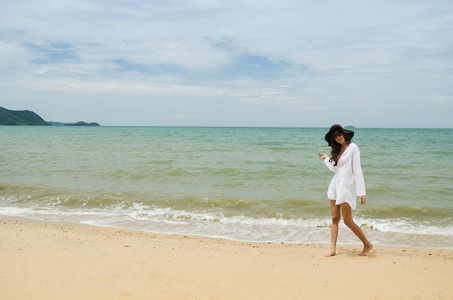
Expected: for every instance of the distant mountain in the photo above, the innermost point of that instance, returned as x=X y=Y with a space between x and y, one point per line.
x=20 y=117
x=26 y=117
x=81 y=123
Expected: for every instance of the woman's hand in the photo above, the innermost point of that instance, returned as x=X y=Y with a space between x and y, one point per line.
x=362 y=200
x=322 y=156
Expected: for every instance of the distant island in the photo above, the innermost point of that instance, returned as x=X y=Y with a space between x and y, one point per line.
x=81 y=123
x=26 y=117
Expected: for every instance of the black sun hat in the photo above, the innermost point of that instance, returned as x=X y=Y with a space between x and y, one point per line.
x=335 y=128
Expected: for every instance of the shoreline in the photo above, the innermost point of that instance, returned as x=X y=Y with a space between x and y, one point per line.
x=344 y=234
x=45 y=260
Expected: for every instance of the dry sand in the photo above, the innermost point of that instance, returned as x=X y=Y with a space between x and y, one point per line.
x=70 y=261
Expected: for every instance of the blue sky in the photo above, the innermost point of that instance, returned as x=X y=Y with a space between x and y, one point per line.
x=230 y=63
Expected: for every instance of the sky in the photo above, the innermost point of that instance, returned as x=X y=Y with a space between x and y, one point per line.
x=285 y=63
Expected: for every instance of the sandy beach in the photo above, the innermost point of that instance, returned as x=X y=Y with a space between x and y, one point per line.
x=71 y=261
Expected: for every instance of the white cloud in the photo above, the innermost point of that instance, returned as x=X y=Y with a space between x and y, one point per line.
x=296 y=57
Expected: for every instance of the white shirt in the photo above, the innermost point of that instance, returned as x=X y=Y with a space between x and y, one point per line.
x=348 y=182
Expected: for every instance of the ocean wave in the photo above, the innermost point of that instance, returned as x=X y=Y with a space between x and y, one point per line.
x=412 y=211
x=243 y=218
x=250 y=206
x=137 y=216
x=408 y=226
x=138 y=212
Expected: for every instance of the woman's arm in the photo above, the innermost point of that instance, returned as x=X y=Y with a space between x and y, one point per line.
x=358 y=174
x=327 y=162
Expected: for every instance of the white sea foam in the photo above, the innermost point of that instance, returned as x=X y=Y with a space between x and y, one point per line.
x=314 y=230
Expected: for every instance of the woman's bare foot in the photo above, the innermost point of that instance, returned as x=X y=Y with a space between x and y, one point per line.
x=331 y=253
x=366 y=249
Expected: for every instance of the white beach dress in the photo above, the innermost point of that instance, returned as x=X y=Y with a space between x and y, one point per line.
x=348 y=182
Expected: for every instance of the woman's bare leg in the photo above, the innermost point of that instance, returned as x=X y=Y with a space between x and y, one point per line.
x=335 y=212
x=347 y=217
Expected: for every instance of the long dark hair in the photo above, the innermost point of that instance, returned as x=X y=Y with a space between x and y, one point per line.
x=336 y=148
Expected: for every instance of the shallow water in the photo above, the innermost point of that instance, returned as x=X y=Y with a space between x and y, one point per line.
x=254 y=184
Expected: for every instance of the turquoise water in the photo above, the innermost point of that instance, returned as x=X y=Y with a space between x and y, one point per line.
x=253 y=184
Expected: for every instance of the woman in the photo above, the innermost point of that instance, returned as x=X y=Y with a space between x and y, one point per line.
x=346 y=185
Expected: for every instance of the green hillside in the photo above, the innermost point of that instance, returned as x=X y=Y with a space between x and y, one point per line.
x=20 y=117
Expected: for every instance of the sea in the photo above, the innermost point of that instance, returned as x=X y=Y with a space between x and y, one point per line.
x=245 y=184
